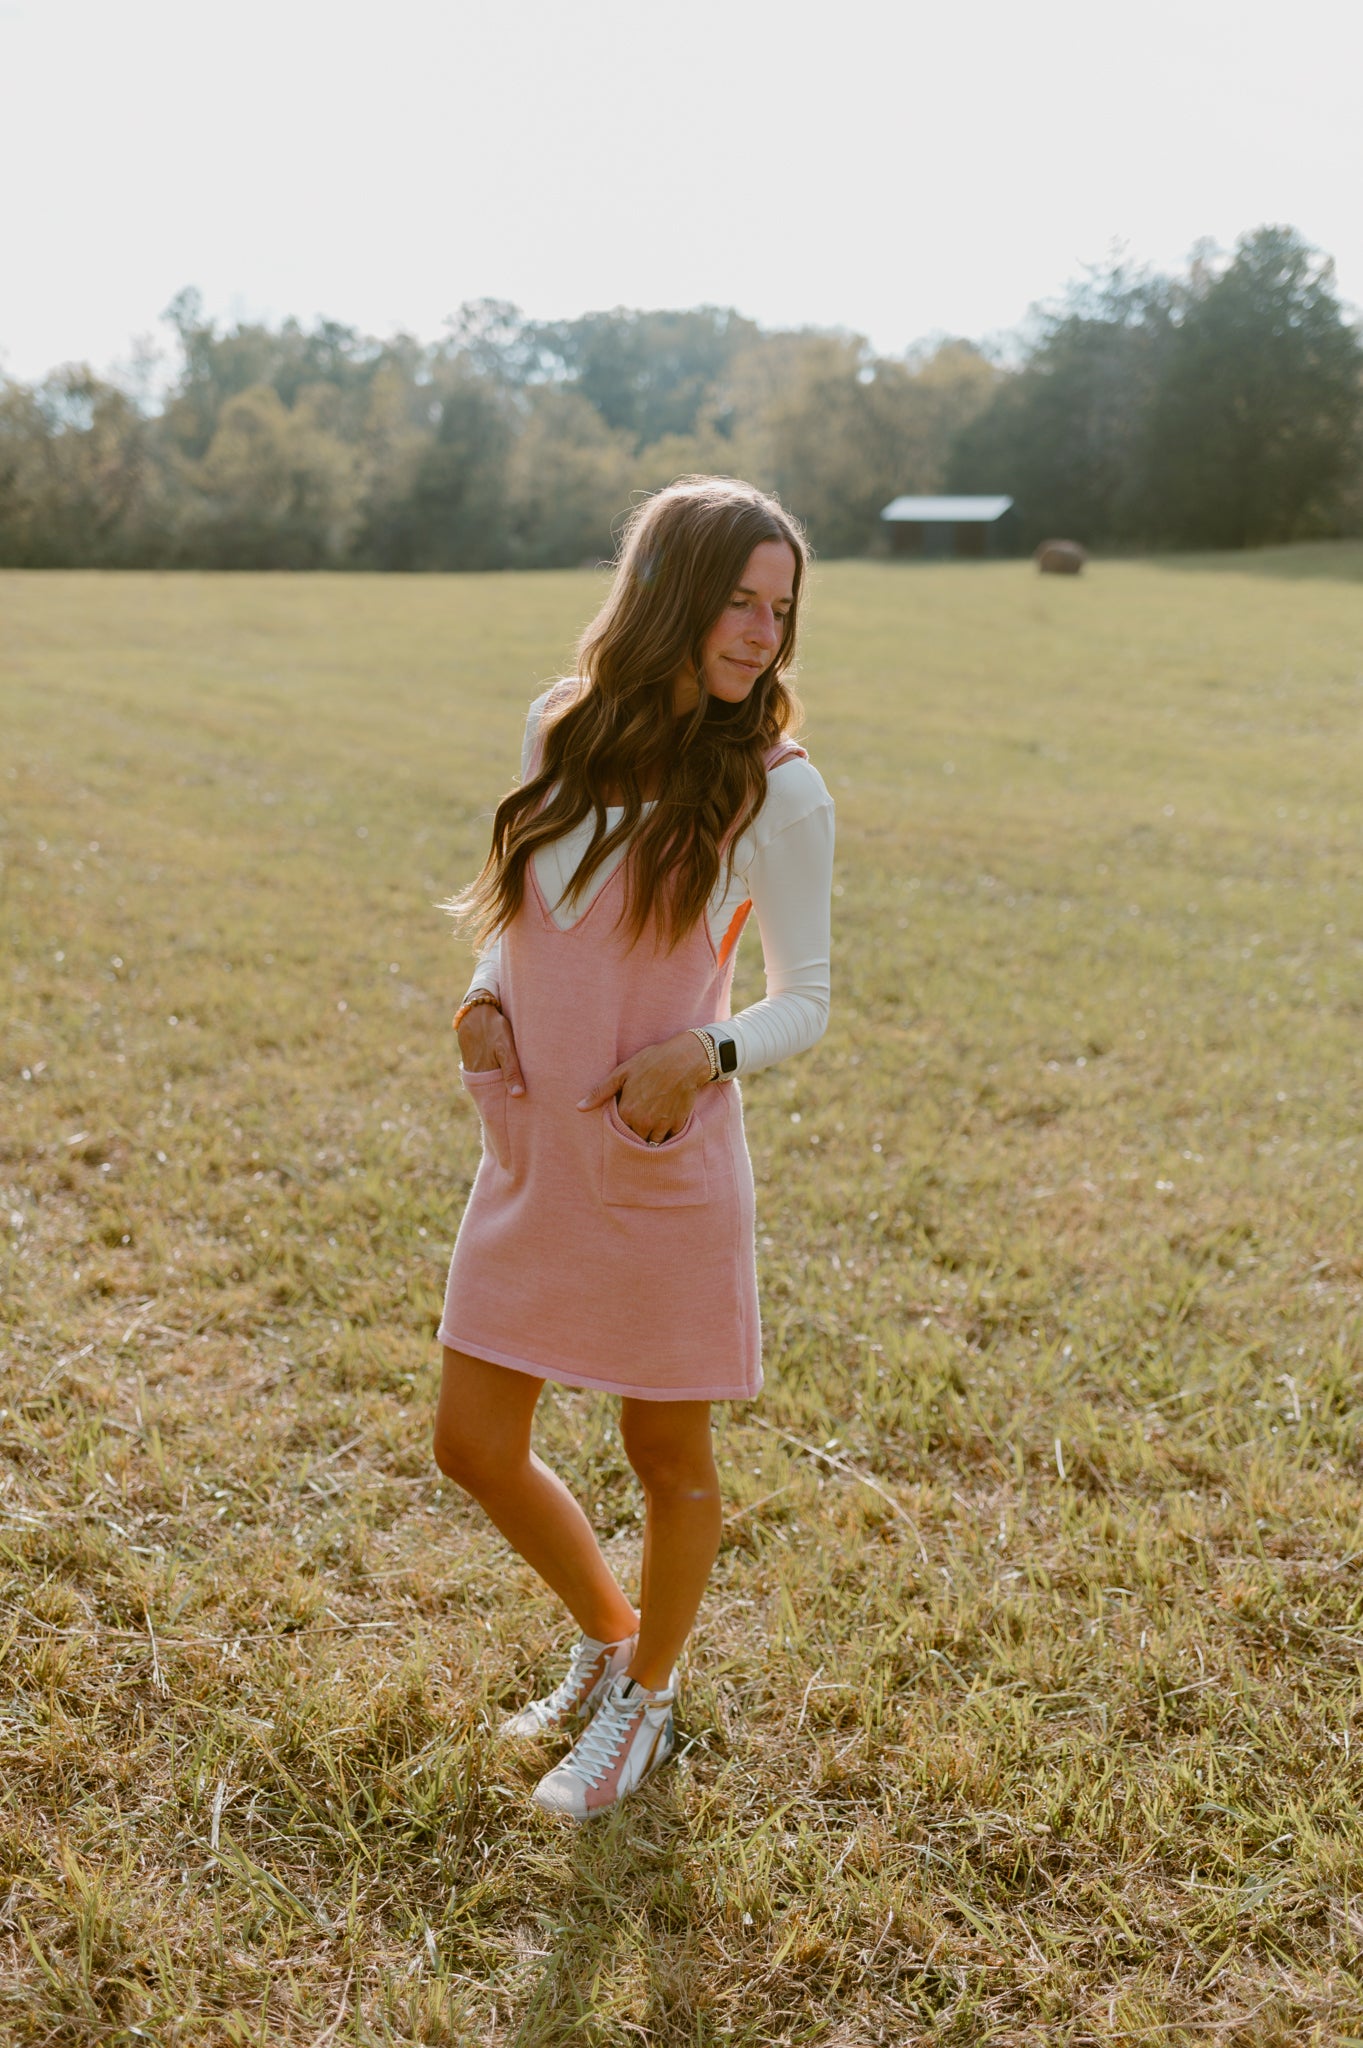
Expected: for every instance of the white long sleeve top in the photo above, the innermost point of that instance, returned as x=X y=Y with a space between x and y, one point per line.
x=784 y=862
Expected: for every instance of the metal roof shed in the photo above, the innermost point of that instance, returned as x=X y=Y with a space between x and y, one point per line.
x=933 y=529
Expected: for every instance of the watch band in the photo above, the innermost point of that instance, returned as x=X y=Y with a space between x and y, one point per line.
x=722 y=1052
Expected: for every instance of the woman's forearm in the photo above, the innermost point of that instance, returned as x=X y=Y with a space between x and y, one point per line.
x=791 y=882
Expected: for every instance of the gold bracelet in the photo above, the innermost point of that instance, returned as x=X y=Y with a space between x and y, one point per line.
x=480 y=995
x=711 y=1052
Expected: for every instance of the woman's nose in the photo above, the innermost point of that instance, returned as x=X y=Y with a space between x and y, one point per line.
x=762 y=627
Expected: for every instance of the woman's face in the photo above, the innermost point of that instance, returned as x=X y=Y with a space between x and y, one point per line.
x=742 y=643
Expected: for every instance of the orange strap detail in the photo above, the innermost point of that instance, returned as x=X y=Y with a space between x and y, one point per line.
x=736 y=924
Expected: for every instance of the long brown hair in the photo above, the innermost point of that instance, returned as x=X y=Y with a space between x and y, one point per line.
x=612 y=727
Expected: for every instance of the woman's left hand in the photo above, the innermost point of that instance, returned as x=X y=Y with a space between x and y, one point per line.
x=657 y=1088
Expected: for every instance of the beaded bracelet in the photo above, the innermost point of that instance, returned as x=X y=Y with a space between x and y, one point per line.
x=471 y=1002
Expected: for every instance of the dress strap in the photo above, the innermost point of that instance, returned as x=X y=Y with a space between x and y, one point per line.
x=784 y=750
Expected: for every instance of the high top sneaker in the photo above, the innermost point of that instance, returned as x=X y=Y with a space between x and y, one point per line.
x=630 y=1734
x=592 y=1667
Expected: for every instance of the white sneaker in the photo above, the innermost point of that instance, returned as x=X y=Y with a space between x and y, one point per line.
x=591 y=1670
x=631 y=1733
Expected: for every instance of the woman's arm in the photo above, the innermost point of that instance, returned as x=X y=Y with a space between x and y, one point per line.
x=486 y=1039
x=790 y=884
x=790 y=880
x=487 y=972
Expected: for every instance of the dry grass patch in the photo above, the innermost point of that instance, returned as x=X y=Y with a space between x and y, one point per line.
x=1025 y=1705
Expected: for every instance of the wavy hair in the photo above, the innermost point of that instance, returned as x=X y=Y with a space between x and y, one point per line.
x=612 y=727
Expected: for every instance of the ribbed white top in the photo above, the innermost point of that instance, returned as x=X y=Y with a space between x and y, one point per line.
x=784 y=862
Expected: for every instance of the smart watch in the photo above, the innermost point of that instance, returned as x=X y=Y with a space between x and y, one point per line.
x=727 y=1050
x=721 y=1053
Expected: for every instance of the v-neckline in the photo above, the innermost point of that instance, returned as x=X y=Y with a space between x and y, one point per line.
x=564 y=929
x=618 y=869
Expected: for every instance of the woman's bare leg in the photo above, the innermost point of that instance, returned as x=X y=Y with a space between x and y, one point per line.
x=668 y=1444
x=482 y=1442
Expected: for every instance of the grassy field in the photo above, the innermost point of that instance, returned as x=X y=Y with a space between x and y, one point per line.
x=1024 y=1702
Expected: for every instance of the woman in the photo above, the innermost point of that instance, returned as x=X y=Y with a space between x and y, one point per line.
x=609 y=1240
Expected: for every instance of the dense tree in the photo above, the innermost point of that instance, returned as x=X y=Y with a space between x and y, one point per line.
x=1220 y=408
x=78 y=482
x=277 y=487
x=1251 y=430
x=950 y=386
x=840 y=433
x=567 y=478
x=1066 y=437
x=454 y=512
x=289 y=360
x=647 y=374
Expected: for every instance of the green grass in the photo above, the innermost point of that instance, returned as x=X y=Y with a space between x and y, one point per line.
x=1025 y=1704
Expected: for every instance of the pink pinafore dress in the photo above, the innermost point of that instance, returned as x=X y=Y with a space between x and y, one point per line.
x=586 y=1255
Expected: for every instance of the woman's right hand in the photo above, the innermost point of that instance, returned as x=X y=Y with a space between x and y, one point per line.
x=486 y=1041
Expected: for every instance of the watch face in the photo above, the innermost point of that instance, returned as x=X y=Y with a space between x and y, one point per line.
x=728 y=1056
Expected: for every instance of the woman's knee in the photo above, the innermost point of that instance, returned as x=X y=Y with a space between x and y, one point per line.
x=480 y=1465
x=669 y=1454
x=482 y=1425
x=456 y=1456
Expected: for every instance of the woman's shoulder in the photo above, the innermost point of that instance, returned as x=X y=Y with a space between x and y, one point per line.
x=553 y=694
x=559 y=690
x=794 y=789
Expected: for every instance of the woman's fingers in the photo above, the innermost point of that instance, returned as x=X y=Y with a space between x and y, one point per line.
x=651 y=1127
x=486 y=1041
x=507 y=1059
x=648 y=1127
x=603 y=1090
x=477 y=1046
x=657 y=1088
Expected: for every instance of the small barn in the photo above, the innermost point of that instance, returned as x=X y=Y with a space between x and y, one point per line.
x=938 y=529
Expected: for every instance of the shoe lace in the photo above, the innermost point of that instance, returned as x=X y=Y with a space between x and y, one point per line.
x=574 y=1682
x=596 y=1750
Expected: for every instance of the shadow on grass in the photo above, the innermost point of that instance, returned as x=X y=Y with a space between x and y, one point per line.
x=629 y=1957
x=1337 y=561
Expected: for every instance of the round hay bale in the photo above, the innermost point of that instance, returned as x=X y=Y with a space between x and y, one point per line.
x=1060 y=558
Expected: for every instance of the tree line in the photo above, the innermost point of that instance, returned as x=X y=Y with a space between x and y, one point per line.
x=1219 y=408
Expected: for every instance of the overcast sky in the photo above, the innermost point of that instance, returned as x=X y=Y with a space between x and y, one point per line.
x=899 y=169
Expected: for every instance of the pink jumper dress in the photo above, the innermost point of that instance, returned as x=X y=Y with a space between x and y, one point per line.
x=586 y=1255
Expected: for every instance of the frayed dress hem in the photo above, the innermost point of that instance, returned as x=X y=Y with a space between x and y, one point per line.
x=564 y=1376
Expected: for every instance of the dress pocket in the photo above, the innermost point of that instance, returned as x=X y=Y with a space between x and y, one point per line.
x=488 y=1089
x=637 y=1175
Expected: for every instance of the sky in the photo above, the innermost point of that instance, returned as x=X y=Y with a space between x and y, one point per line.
x=901 y=170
